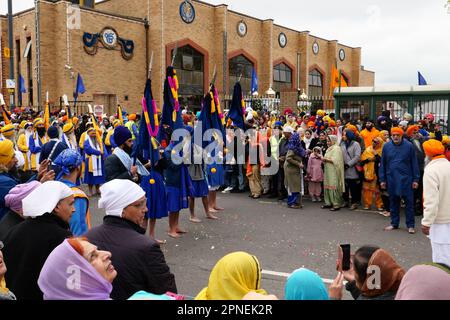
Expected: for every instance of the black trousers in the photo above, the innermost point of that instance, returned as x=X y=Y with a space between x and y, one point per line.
x=355 y=188
x=278 y=182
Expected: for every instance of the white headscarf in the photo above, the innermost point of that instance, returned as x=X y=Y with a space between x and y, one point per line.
x=45 y=198
x=117 y=195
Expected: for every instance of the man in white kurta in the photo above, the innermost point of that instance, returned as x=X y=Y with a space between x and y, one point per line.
x=436 y=196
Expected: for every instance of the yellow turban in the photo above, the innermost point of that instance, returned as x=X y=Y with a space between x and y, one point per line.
x=75 y=120
x=433 y=148
x=320 y=113
x=68 y=128
x=6 y=151
x=116 y=123
x=327 y=119
x=37 y=122
x=22 y=124
x=8 y=130
x=445 y=140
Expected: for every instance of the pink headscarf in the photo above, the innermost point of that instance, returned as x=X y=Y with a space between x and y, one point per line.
x=67 y=275
x=425 y=282
x=13 y=199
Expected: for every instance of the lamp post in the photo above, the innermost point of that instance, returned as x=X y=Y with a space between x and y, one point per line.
x=11 y=50
x=271 y=94
x=303 y=103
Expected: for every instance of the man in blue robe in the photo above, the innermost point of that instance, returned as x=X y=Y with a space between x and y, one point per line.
x=399 y=173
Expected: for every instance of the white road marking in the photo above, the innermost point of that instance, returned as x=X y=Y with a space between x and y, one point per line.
x=286 y=275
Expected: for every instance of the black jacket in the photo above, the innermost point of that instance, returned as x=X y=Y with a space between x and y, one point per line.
x=27 y=246
x=9 y=220
x=139 y=261
x=114 y=169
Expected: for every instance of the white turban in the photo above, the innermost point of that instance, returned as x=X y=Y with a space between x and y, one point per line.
x=117 y=194
x=45 y=198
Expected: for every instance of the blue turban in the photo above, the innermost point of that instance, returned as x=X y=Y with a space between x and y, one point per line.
x=278 y=124
x=53 y=132
x=68 y=160
x=121 y=135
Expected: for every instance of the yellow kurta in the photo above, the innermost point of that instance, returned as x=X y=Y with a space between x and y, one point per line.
x=22 y=144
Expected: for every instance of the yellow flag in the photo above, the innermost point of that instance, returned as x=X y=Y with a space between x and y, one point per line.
x=47 y=116
x=334 y=79
x=343 y=81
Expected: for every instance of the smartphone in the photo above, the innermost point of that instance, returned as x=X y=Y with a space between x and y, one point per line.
x=345 y=262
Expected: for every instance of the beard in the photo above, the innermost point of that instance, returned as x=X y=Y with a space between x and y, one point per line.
x=41 y=132
x=128 y=150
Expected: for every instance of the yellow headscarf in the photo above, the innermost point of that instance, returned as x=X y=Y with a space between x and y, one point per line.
x=6 y=151
x=233 y=276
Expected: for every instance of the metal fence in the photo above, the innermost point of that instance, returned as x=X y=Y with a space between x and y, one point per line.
x=360 y=106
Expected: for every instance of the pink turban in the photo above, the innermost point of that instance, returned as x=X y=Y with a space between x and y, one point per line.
x=13 y=199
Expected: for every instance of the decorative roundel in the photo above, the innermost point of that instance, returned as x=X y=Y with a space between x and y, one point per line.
x=315 y=48
x=187 y=12
x=342 y=54
x=282 y=40
x=242 y=28
x=109 y=38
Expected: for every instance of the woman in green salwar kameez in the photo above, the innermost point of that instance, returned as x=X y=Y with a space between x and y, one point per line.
x=334 y=183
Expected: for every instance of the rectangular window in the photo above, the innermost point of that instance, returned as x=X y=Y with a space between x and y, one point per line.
x=188 y=62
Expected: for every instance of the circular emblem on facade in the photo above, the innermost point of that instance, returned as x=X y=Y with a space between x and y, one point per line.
x=242 y=28
x=282 y=40
x=315 y=48
x=342 y=55
x=109 y=38
x=187 y=12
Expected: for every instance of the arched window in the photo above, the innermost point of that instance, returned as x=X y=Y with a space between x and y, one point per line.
x=315 y=84
x=237 y=66
x=189 y=64
x=282 y=77
x=315 y=88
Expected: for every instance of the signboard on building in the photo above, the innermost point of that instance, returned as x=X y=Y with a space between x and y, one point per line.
x=98 y=110
x=10 y=83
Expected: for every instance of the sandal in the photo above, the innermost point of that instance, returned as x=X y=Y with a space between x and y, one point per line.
x=326 y=207
x=335 y=209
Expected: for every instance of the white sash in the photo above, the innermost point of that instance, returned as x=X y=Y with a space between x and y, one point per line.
x=69 y=143
x=37 y=142
x=96 y=160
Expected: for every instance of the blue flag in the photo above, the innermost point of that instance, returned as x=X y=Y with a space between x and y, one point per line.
x=22 y=87
x=254 y=81
x=80 y=87
x=422 y=81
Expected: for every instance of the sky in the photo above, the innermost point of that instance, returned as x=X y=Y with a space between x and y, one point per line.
x=398 y=38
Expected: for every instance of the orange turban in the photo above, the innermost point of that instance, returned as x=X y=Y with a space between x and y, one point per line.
x=332 y=123
x=353 y=128
x=433 y=148
x=397 y=130
x=311 y=124
x=64 y=119
x=75 y=120
x=132 y=117
x=411 y=129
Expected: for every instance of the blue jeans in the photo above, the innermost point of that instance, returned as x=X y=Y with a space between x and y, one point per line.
x=293 y=199
x=395 y=210
x=239 y=176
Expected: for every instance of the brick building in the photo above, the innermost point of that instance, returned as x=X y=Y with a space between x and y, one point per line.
x=110 y=46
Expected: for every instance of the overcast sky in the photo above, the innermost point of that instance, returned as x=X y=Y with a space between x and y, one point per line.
x=398 y=38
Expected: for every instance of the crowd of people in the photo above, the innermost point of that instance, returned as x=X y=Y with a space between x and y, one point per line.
x=47 y=240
